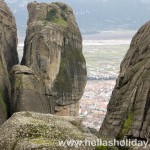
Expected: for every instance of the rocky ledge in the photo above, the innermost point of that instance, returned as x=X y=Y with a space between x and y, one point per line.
x=28 y=130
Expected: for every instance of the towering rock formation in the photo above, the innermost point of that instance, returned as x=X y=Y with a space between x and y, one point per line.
x=53 y=50
x=128 y=111
x=8 y=57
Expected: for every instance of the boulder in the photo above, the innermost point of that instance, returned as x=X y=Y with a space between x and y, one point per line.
x=27 y=91
x=128 y=112
x=53 y=49
x=8 y=57
x=28 y=130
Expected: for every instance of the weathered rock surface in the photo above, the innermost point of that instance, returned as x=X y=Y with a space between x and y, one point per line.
x=129 y=108
x=53 y=49
x=27 y=91
x=28 y=130
x=8 y=57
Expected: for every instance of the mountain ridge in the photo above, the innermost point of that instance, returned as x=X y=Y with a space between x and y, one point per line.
x=93 y=15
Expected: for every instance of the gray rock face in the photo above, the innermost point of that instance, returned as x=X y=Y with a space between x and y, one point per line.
x=128 y=111
x=8 y=57
x=53 y=49
x=28 y=130
x=27 y=91
x=8 y=35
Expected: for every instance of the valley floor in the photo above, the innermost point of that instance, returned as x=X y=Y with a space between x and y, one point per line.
x=93 y=105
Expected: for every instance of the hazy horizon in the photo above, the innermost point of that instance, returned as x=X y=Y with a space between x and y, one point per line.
x=92 y=16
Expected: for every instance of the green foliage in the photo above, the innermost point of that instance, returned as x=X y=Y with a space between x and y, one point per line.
x=63 y=14
x=126 y=126
x=41 y=141
x=124 y=148
x=54 y=17
x=106 y=148
x=101 y=148
x=61 y=22
x=51 y=15
x=78 y=56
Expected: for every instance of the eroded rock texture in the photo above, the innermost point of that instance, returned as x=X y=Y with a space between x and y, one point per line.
x=27 y=91
x=8 y=57
x=129 y=108
x=28 y=130
x=53 y=49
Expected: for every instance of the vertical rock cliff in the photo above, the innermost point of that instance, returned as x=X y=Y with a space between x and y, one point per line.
x=53 y=50
x=8 y=57
x=128 y=111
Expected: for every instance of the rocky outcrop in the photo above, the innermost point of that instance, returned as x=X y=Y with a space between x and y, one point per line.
x=27 y=91
x=28 y=130
x=128 y=112
x=53 y=49
x=8 y=57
